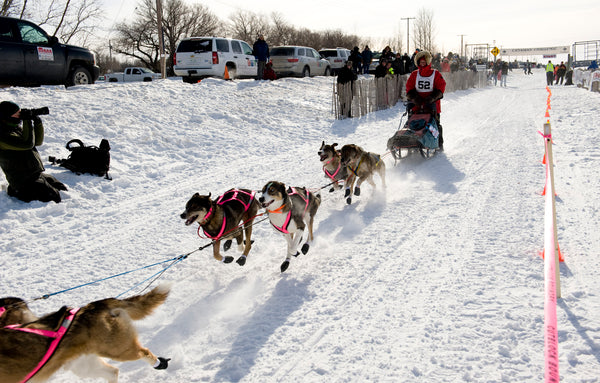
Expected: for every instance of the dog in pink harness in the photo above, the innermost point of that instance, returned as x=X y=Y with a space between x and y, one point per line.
x=290 y=211
x=229 y=216
x=332 y=165
x=76 y=339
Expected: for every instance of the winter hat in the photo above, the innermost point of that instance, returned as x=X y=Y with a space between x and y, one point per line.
x=7 y=109
x=423 y=54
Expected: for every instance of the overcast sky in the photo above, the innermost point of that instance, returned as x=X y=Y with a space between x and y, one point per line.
x=507 y=24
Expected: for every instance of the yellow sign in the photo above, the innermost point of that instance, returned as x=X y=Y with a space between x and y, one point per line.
x=495 y=51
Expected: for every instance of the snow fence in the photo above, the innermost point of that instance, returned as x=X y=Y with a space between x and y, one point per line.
x=369 y=94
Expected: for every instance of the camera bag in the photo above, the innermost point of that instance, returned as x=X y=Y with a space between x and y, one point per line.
x=87 y=159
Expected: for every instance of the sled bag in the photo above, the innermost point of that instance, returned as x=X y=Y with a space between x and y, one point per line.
x=429 y=139
x=88 y=159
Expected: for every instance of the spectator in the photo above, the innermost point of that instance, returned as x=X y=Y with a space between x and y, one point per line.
x=560 y=73
x=398 y=64
x=20 y=133
x=406 y=59
x=445 y=65
x=504 y=73
x=346 y=76
x=387 y=54
x=269 y=73
x=381 y=68
x=593 y=65
x=367 y=57
x=549 y=73
x=260 y=50
x=390 y=70
x=356 y=59
x=497 y=71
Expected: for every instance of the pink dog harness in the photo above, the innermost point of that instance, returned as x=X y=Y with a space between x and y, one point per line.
x=57 y=335
x=230 y=195
x=285 y=225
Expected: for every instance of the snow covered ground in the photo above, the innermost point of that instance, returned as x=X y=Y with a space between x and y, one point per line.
x=438 y=278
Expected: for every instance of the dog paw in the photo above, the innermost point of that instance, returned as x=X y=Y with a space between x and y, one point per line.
x=227 y=245
x=305 y=248
x=347 y=193
x=357 y=191
x=162 y=363
x=241 y=260
x=227 y=259
x=348 y=200
x=285 y=265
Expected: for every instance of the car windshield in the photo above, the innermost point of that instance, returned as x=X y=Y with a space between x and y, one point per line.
x=328 y=53
x=282 y=51
x=195 y=45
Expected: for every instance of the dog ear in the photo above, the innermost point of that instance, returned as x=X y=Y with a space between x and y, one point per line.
x=334 y=145
x=196 y=195
x=322 y=144
x=209 y=194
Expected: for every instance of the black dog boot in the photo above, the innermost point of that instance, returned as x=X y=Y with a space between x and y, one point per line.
x=285 y=265
x=162 y=363
x=227 y=259
x=357 y=191
x=227 y=245
x=305 y=248
x=241 y=260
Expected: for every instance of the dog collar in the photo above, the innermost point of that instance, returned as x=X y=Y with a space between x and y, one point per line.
x=278 y=210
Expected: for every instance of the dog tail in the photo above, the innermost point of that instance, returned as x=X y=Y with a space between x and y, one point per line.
x=140 y=306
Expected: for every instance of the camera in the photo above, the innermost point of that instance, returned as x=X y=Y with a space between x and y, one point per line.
x=27 y=114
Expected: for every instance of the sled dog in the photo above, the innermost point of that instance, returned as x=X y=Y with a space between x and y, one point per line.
x=332 y=165
x=74 y=338
x=220 y=220
x=290 y=211
x=361 y=165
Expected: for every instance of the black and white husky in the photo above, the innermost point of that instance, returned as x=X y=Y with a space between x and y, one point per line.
x=290 y=210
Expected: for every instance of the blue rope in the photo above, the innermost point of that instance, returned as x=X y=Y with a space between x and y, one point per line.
x=175 y=260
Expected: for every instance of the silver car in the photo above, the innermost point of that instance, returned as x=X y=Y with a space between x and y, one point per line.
x=298 y=61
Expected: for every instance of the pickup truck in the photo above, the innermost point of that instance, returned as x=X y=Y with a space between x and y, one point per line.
x=133 y=74
x=30 y=57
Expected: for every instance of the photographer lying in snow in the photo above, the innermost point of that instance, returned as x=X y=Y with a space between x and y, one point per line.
x=20 y=160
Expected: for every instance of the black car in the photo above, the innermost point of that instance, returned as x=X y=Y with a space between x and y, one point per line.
x=29 y=57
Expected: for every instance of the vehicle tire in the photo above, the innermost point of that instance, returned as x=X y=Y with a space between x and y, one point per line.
x=306 y=72
x=147 y=79
x=189 y=79
x=112 y=80
x=327 y=71
x=79 y=76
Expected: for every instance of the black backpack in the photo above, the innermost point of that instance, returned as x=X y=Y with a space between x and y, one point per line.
x=87 y=159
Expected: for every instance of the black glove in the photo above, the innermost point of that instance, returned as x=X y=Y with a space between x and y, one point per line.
x=436 y=95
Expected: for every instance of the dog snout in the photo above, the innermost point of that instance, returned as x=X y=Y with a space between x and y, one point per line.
x=183 y=215
x=261 y=199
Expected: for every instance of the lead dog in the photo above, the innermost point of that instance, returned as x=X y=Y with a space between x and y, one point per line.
x=332 y=165
x=290 y=211
x=219 y=219
x=100 y=329
x=361 y=165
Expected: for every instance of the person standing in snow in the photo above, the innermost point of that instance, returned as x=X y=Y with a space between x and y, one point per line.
x=549 y=73
x=356 y=59
x=560 y=73
x=260 y=50
x=425 y=88
x=20 y=133
x=345 y=83
x=504 y=73
x=367 y=57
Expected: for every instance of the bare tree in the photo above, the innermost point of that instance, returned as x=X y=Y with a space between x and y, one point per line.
x=139 y=39
x=66 y=19
x=424 y=30
x=246 y=26
x=280 y=32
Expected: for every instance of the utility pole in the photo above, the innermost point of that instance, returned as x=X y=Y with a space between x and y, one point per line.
x=461 y=45
x=407 y=24
x=161 y=43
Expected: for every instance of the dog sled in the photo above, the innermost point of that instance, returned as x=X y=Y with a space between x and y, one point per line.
x=419 y=134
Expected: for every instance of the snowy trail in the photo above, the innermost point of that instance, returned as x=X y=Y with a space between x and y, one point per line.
x=436 y=278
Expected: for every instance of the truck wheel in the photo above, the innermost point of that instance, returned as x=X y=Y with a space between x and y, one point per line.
x=147 y=79
x=79 y=76
x=112 y=79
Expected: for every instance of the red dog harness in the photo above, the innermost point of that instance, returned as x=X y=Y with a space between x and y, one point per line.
x=230 y=195
x=56 y=335
x=285 y=225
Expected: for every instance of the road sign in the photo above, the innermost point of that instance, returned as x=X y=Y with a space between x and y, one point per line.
x=495 y=51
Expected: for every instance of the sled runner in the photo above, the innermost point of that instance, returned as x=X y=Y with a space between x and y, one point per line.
x=419 y=134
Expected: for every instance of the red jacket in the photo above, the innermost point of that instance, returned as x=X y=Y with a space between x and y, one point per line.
x=438 y=83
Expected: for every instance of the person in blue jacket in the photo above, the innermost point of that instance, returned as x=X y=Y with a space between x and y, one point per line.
x=260 y=50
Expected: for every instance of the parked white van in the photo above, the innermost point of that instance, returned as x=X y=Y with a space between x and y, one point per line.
x=200 y=57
